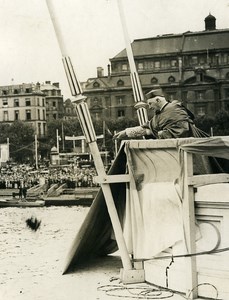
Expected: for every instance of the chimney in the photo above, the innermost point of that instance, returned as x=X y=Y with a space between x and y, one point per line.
x=109 y=70
x=99 y=72
x=210 y=22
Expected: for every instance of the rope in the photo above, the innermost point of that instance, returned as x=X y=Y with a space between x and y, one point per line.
x=213 y=251
x=150 y=291
x=136 y=292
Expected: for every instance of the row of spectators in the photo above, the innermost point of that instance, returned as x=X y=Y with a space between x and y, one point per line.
x=13 y=176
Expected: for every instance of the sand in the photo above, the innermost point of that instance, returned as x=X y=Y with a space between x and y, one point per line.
x=32 y=262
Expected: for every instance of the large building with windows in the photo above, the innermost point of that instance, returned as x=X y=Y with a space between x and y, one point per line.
x=192 y=67
x=32 y=103
x=24 y=102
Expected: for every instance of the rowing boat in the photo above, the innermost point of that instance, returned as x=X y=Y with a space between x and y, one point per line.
x=12 y=202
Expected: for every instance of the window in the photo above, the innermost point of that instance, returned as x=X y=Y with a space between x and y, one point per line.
x=165 y=64
x=38 y=114
x=121 y=113
x=39 y=128
x=120 y=100
x=16 y=115
x=194 y=60
x=124 y=67
x=16 y=91
x=54 y=104
x=4 y=92
x=38 y=101
x=43 y=114
x=215 y=59
x=149 y=65
x=43 y=101
x=16 y=102
x=28 y=90
x=171 y=79
x=27 y=102
x=200 y=76
x=5 y=116
x=140 y=66
x=202 y=60
x=96 y=84
x=54 y=116
x=120 y=82
x=224 y=58
x=28 y=114
x=5 y=102
x=53 y=92
x=200 y=95
x=157 y=64
x=154 y=80
x=96 y=116
x=201 y=111
x=173 y=63
x=95 y=101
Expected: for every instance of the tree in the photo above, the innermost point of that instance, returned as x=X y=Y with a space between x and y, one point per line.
x=21 y=138
x=221 y=126
x=205 y=123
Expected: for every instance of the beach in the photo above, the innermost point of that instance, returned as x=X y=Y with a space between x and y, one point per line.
x=32 y=262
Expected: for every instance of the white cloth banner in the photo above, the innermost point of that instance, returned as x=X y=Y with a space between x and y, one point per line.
x=153 y=219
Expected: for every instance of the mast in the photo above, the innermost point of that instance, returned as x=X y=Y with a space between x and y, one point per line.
x=90 y=136
x=135 y=81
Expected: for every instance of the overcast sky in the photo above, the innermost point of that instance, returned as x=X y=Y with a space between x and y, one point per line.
x=29 y=51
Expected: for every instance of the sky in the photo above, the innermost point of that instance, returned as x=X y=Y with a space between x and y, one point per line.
x=93 y=33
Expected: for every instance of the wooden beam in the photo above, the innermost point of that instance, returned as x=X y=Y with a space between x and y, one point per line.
x=112 y=178
x=189 y=228
x=208 y=179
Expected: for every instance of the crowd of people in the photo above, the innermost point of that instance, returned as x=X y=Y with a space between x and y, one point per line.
x=23 y=176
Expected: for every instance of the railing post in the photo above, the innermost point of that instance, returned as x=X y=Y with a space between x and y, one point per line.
x=189 y=228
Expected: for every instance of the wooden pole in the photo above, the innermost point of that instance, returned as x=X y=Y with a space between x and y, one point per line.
x=8 y=147
x=57 y=141
x=135 y=81
x=62 y=134
x=89 y=133
x=36 y=156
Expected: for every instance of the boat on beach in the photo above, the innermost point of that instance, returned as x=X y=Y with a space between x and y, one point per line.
x=14 y=202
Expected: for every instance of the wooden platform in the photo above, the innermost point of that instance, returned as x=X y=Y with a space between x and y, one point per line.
x=152 y=163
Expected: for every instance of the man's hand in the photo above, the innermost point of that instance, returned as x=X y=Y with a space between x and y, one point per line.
x=120 y=135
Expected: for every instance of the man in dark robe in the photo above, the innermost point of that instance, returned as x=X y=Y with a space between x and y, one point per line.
x=170 y=120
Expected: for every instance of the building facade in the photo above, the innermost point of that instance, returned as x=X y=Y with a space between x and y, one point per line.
x=24 y=102
x=192 y=67
x=53 y=100
x=32 y=103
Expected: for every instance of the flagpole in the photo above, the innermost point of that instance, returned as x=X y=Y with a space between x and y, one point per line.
x=36 y=156
x=104 y=135
x=135 y=81
x=90 y=136
x=57 y=141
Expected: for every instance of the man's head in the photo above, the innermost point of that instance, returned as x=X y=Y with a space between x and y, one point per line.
x=156 y=100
